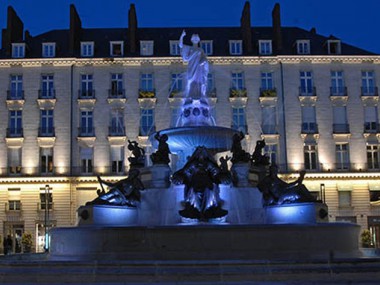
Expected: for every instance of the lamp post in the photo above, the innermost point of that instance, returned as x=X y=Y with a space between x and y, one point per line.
x=46 y=222
x=323 y=193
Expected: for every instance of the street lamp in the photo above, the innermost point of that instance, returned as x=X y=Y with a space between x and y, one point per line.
x=46 y=222
x=323 y=193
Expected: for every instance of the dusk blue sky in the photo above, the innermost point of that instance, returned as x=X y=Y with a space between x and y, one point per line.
x=354 y=22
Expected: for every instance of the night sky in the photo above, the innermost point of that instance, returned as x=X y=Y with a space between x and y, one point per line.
x=354 y=22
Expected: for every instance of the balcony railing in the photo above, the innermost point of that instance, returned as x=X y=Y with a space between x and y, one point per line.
x=238 y=93
x=15 y=95
x=338 y=91
x=369 y=91
x=15 y=132
x=86 y=131
x=115 y=94
x=341 y=128
x=46 y=132
x=175 y=93
x=86 y=94
x=269 y=129
x=307 y=91
x=211 y=93
x=147 y=94
x=116 y=131
x=268 y=93
x=371 y=127
x=46 y=94
x=309 y=128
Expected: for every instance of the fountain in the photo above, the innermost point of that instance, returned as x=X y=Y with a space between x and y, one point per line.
x=204 y=210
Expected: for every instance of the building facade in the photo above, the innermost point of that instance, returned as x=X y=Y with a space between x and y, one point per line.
x=73 y=98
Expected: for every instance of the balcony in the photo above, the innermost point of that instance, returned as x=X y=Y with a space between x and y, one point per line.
x=116 y=131
x=147 y=94
x=86 y=94
x=46 y=132
x=309 y=128
x=307 y=91
x=86 y=131
x=369 y=91
x=341 y=128
x=14 y=170
x=338 y=91
x=15 y=95
x=371 y=128
x=15 y=132
x=46 y=94
x=175 y=93
x=268 y=93
x=116 y=93
x=238 y=93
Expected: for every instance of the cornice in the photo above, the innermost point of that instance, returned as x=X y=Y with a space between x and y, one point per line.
x=310 y=176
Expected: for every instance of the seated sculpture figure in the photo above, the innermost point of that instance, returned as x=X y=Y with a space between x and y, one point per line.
x=163 y=151
x=201 y=176
x=138 y=154
x=125 y=192
x=238 y=154
x=277 y=192
x=259 y=159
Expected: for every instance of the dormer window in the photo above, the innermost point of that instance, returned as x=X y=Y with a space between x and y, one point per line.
x=207 y=47
x=87 y=49
x=265 y=47
x=303 y=47
x=18 y=50
x=116 y=48
x=48 y=50
x=146 y=47
x=333 y=47
x=174 y=48
x=236 y=47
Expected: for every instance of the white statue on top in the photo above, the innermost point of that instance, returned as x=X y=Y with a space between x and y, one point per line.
x=197 y=69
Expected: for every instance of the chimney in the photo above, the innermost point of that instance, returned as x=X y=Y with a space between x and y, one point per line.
x=14 y=31
x=245 y=25
x=75 y=31
x=132 y=29
x=276 y=23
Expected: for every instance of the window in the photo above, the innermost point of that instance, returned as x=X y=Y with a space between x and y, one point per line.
x=116 y=48
x=117 y=123
x=146 y=47
x=146 y=81
x=14 y=205
x=309 y=123
x=18 y=50
x=239 y=121
x=266 y=80
x=373 y=156
x=344 y=198
x=271 y=151
x=86 y=86
x=237 y=80
x=47 y=123
x=177 y=82
x=269 y=120
x=46 y=200
x=14 y=160
x=207 y=47
x=16 y=87
x=210 y=83
x=147 y=122
x=368 y=83
x=46 y=160
x=47 y=86
x=117 y=161
x=370 y=119
x=87 y=49
x=86 y=128
x=306 y=80
x=337 y=84
x=174 y=48
x=333 y=47
x=303 y=47
x=86 y=154
x=265 y=47
x=374 y=193
x=117 y=85
x=15 y=124
x=236 y=47
x=340 y=125
x=342 y=156
x=48 y=50
x=310 y=157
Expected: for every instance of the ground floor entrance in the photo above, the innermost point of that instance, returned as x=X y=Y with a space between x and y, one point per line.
x=12 y=237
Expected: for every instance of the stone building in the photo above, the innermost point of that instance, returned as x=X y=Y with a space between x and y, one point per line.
x=74 y=97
